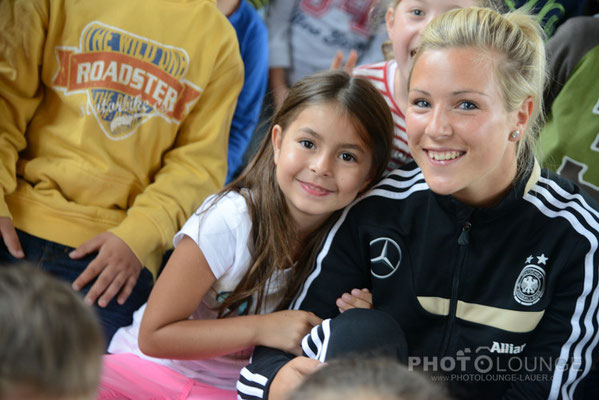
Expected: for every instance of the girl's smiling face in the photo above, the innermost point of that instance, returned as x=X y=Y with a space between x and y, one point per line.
x=322 y=163
x=459 y=130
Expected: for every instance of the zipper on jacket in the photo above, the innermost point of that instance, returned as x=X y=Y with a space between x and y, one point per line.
x=463 y=241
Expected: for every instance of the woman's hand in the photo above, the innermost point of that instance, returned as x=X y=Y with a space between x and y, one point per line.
x=291 y=375
x=356 y=299
x=284 y=330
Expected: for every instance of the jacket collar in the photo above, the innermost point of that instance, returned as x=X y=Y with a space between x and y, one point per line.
x=505 y=208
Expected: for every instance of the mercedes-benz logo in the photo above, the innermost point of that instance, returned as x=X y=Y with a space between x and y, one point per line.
x=388 y=259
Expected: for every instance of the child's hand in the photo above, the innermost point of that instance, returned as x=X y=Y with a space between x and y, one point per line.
x=356 y=299
x=337 y=62
x=291 y=375
x=116 y=267
x=11 y=240
x=285 y=330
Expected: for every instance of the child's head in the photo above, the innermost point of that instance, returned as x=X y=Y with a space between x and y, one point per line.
x=51 y=344
x=359 y=125
x=405 y=21
x=494 y=4
x=346 y=99
x=331 y=140
x=367 y=379
x=356 y=125
x=513 y=43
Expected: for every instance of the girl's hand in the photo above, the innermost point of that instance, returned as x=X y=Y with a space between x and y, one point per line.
x=356 y=299
x=284 y=330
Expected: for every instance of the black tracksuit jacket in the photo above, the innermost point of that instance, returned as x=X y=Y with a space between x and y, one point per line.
x=496 y=303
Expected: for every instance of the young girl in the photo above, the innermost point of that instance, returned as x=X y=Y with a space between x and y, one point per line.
x=482 y=265
x=405 y=21
x=246 y=251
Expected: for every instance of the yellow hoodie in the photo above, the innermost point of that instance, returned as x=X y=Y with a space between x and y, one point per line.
x=114 y=115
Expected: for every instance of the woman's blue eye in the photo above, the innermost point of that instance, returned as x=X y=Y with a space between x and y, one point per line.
x=421 y=103
x=418 y=13
x=307 y=144
x=467 y=105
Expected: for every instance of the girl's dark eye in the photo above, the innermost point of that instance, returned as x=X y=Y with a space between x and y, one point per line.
x=418 y=13
x=307 y=144
x=347 y=157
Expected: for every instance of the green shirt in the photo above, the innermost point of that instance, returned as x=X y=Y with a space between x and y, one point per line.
x=569 y=142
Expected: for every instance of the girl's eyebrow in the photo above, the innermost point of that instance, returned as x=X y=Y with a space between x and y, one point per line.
x=310 y=131
x=316 y=135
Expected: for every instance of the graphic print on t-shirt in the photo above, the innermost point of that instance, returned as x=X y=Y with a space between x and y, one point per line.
x=128 y=79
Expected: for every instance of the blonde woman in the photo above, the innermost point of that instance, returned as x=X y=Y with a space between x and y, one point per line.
x=482 y=266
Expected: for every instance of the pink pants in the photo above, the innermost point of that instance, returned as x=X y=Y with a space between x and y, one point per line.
x=128 y=377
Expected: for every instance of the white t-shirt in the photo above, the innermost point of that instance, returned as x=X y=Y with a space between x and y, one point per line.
x=223 y=234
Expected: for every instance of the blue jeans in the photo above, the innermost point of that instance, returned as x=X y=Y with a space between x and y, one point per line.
x=54 y=258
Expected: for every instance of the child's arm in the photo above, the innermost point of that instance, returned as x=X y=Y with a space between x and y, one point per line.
x=254 y=52
x=22 y=37
x=278 y=21
x=166 y=331
x=278 y=85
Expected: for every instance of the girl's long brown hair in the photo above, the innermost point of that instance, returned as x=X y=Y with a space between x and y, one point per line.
x=273 y=237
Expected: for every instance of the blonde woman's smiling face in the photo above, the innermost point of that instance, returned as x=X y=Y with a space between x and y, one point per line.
x=458 y=127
